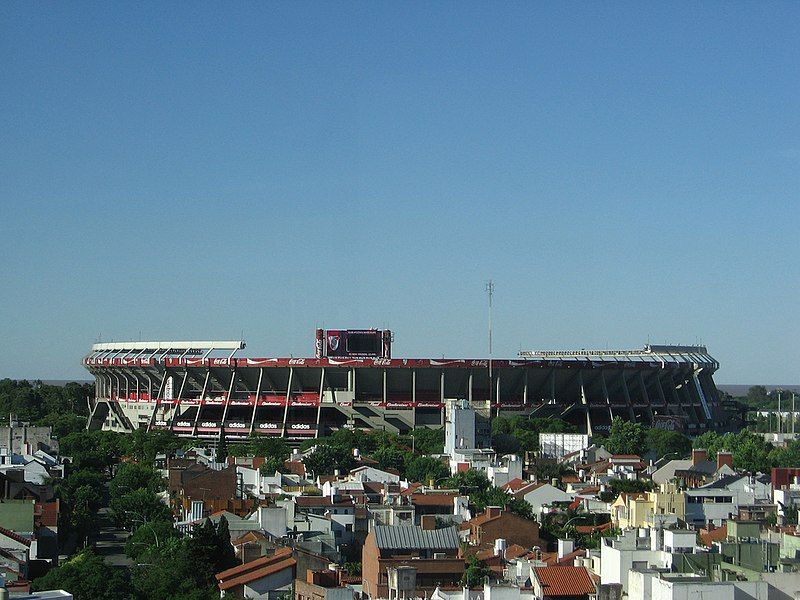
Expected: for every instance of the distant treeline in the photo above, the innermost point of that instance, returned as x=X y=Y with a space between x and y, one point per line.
x=39 y=402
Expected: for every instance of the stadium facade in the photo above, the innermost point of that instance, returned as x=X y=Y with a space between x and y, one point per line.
x=203 y=389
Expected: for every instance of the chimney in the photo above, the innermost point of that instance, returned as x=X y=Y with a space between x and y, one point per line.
x=428 y=522
x=724 y=458
x=554 y=482
x=493 y=511
x=699 y=455
x=565 y=547
x=500 y=548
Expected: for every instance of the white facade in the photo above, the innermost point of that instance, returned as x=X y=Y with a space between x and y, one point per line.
x=558 y=445
x=650 y=585
x=618 y=556
x=509 y=467
x=459 y=428
x=544 y=495
x=680 y=540
x=373 y=474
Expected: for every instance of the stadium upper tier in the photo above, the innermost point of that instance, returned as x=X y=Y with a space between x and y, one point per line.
x=205 y=389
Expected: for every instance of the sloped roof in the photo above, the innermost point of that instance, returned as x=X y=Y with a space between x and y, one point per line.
x=514 y=484
x=256 y=569
x=433 y=499
x=415 y=538
x=14 y=536
x=565 y=581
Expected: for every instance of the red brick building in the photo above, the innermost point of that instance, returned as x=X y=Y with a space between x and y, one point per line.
x=433 y=553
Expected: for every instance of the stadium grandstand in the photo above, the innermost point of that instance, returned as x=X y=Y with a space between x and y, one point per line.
x=205 y=389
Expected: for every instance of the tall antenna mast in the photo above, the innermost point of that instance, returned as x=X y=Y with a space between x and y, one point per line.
x=490 y=292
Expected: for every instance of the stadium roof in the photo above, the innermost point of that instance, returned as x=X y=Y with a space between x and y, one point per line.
x=663 y=354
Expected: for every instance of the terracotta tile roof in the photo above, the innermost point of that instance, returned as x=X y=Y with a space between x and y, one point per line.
x=250 y=536
x=625 y=457
x=514 y=484
x=433 y=499
x=565 y=581
x=412 y=487
x=592 y=528
x=256 y=569
x=320 y=501
x=715 y=535
x=568 y=559
x=515 y=551
x=570 y=479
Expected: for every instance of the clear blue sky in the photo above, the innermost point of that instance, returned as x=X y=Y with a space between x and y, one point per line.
x=623 y=172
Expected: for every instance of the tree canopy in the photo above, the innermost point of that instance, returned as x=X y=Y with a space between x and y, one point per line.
x=87 y=577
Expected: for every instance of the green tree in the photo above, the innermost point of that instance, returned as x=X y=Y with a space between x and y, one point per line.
x=139 y=506
x=391 y=457
x=172 y=571
x=134 y=476
x=788 y=456
x=86 y=577
x=225 y=556
x=666 y=443
x=85 y=503
x=64 y=424
x=425 y=469
x=326 y=459
x=150 y=535
x=475 y=573
x=625 y=437
x=428 y=441
x=144 y=446
x=270 y=447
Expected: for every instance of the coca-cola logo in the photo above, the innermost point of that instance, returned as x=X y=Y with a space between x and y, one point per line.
x=479 y=363
x=381 y=362
x=297 y=361
x=219 y=361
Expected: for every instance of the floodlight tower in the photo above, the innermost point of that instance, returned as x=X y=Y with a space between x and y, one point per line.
x=490 y=293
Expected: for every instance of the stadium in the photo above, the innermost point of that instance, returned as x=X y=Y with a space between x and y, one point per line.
x=206 y=389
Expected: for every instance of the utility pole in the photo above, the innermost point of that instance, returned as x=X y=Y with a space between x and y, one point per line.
x=490 y=292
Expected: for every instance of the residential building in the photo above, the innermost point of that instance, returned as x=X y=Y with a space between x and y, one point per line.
x=563 y=583
x=322 y=585
x=426 y=558
x=496 y=523
x=265 y=578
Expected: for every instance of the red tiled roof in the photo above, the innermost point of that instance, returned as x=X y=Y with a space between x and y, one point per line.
x=432 y=499
x=256 y=569
x=412 y=487
x=514 y=484
x=520 y=493
x=515 y=551
x=565 y=581
x=625 y=457
x=250 y=536
x=715 y=535
x=592 y=528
